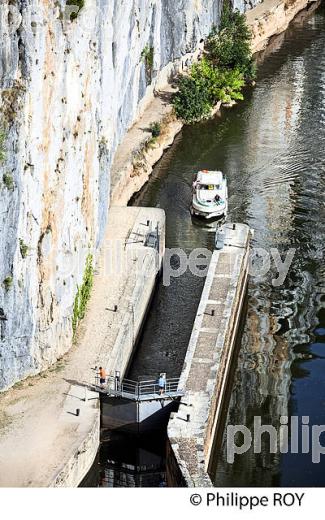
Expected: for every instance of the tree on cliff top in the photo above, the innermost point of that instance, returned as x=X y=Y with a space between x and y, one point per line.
x=230 y=47
x=222 y=72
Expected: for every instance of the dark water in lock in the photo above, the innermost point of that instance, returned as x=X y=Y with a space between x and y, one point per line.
x=272 y=149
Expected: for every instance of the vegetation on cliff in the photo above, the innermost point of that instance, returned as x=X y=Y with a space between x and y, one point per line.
x=77 y=5
x=2 y=145
x=8 y=180
x=7 y=283
x=147 y=57
x=23 y=248
x=221 y=74
x=83 y=293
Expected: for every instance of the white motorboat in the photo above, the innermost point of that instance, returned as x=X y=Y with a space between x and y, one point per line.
x=210 y=195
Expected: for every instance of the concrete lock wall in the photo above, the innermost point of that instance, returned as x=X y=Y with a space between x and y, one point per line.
x=204 y=377
x=129 y=416
x=138 y=267
x=147 y=263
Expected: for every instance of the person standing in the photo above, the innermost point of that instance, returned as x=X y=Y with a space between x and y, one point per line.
x=162 y=383
x=102 y=376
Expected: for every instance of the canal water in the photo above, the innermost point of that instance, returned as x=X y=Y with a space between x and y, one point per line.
x=272 y=149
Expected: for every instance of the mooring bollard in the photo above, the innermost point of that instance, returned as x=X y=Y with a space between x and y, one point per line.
x=77 y=412
x=188 y=417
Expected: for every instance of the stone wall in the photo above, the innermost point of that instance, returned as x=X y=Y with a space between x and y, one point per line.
x=205 y=374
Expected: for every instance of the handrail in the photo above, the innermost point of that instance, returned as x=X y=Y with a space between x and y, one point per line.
x=138 y=389
x=127 y=380
x=151 y=380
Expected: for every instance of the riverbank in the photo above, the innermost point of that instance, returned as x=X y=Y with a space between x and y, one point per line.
x=191 y=430
x=138 y=152
x=272 y=17
x=43 y=441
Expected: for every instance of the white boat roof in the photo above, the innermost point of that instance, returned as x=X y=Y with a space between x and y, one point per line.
x=209 y=177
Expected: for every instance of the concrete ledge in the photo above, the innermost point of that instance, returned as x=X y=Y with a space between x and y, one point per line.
x=138 y=153
x=81 y=460
x=272 y=17
x=139 y=265
x=208 y=361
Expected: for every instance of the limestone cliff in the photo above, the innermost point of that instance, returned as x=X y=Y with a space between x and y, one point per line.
x=69 y=90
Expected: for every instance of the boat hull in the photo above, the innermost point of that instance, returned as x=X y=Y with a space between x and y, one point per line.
x=207 y=216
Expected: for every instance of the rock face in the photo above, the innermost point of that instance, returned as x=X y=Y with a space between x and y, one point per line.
x=69 y=90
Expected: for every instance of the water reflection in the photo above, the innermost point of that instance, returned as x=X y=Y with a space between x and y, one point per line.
x=278 y=368
x=125 y=461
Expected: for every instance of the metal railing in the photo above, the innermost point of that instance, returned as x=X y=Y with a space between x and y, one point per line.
x=139 y=390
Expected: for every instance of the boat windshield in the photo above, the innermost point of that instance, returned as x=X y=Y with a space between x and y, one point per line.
x=210 y=187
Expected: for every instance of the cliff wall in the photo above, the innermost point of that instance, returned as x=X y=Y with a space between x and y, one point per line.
x=69 y=90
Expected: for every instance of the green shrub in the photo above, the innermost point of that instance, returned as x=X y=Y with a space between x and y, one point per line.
x=83 y=294
x=192 y=101
x=7 y=282
x=147 y=56
x=232 y=88
x=2 y=147
x=8 y=181
x=222 y=84
x=205 y=86
x=23 y=248
x=77 y=3
x=231 y=46
x=149 y=145
x=155 y=129
x=221 y=74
